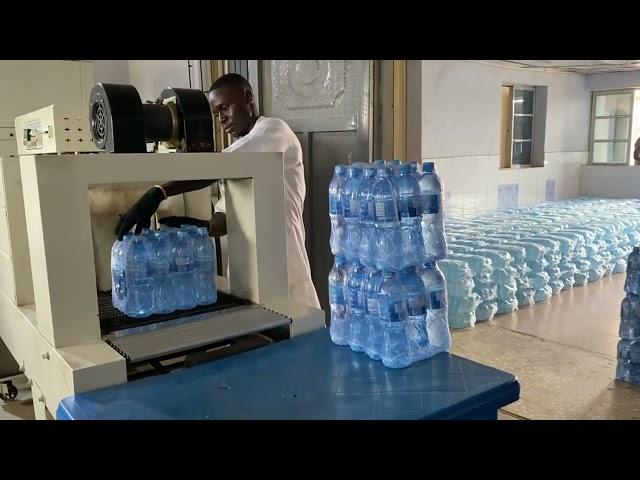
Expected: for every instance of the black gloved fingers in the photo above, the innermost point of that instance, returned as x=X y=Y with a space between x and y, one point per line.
x=141 y=225
x=124 y=225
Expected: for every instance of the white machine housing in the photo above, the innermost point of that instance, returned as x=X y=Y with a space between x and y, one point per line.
x=51 y=323
x=53 y=129
x=27 y=85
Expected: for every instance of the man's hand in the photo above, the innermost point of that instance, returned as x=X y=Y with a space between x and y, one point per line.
x=176 y=222
x=141 y=212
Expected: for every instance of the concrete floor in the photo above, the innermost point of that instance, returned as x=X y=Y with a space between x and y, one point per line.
x=562 y=351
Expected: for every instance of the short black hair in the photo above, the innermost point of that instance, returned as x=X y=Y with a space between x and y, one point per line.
x=230 y=79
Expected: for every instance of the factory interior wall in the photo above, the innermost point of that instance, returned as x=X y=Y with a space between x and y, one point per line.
x=461 y=107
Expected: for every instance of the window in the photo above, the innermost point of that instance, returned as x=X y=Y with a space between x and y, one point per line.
x=523 y=126
x=611 y=118
x=522 y=138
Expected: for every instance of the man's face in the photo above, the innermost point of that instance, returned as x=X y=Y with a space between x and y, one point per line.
x=232 y=105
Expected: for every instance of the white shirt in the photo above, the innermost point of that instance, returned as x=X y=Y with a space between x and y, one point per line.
x=274 y=135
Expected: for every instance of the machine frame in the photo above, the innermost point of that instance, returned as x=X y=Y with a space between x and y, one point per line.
x=56 y=339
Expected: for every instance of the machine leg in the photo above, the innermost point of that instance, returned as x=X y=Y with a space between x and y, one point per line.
x=39 y=405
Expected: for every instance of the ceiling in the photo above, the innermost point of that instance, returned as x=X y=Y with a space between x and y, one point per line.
x=577 y=66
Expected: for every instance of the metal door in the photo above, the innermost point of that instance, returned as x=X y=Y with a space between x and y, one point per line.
x=327 y=104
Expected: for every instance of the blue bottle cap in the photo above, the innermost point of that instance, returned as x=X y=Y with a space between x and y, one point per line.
x=405 y=169
x=427 y=167
x=354 y=170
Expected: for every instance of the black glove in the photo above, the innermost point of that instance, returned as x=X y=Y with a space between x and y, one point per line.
x=141 y=212
x=176 y=222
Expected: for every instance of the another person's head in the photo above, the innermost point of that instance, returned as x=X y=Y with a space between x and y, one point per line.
x=231 y=99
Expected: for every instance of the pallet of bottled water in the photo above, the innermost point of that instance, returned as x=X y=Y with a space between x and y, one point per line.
x=388 y=298
x=628 y=368
x=161 y=271
x=519 y=257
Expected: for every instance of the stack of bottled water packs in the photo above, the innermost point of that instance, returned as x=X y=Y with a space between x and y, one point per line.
x=160 y=271
x=538 y=251
x=463 y=300
x=388 y=298
x=484 y=287
x=628 y=368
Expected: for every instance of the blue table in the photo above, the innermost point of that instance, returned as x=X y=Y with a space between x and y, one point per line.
x=306 y=377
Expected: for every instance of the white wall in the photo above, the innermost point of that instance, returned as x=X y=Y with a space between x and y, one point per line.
x=461 y=132
x=613 y=81
x=111 y=71
x=150 y=77
x=610 y=181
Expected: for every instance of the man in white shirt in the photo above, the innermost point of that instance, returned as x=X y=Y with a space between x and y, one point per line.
x=231 y=99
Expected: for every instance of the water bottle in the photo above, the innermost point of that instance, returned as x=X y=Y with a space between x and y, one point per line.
x=118 y=275
x=354 y=295
x=628 y=368
x=393 y=319
x=410 y=212
x=339 y=325
x=183 y=260
x=371 y=286
x=630 y=317
x=632 y=283
x=394 y=174
x=437 y=313
x=416 y=300
x=160 y=267
x=336 y=216
x=367 y=225
x=387 y=224
x=435 y=244
x=351 y=212
x=395 y=166
x=416 y=170
x=140 y=298
x=205 y=268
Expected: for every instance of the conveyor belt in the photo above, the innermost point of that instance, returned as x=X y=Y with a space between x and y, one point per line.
x=146 y=342
x=112 y=319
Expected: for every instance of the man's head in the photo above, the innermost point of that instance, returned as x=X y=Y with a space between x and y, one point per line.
x=231 y=99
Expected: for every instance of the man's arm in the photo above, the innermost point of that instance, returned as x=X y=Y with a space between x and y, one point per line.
x=636 y=152
x=139 y=215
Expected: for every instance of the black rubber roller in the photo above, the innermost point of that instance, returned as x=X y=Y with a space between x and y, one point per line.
x=117 y=118
x=196 y=121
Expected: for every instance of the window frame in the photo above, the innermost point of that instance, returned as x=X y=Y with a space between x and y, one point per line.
x=513 y=124
x=594 y=117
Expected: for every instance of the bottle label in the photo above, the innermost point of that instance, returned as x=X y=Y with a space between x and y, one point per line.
x=416 y=305
x=160 y=267
x=437 y=299
x=335 y=205
x=366 y=210
x=354 y=208
x=431 y=203
x=372 y=307
x=336 y=294
x=393 y=312
x=138 y=270
x=355 y=297
x=385 y=211
x=409 y=207
x=182 y=264
x=351 y=208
